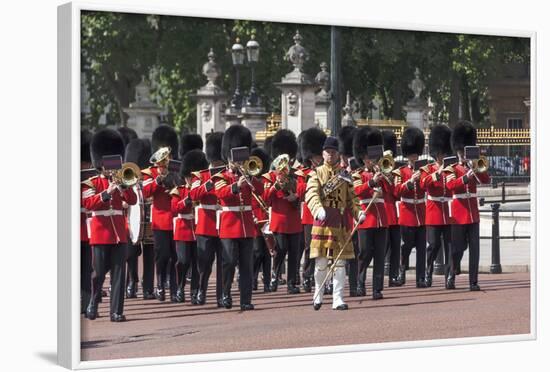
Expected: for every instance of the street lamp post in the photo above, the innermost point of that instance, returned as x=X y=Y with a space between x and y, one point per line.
x=253 y=54
x=237 y=54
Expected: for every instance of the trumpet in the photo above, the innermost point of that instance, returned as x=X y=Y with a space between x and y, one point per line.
x=386 y=164
x=480 y=165
x=127 y=176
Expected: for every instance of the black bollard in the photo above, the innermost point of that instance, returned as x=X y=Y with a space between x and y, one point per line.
x=503 y=192
x=496 y=268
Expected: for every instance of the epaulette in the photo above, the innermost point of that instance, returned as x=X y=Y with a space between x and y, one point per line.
x=89 y=182
x=425 y=168
x=450 y=168
x=196 y=174
x=147 y=171
x=299 y=173
x=397 y=172
x=175 y=191
x=219 y=176
x=267 y=176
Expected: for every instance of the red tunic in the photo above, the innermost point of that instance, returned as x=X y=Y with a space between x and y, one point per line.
x=437 y=203
x=390 y=204
x=376 y=215
x=412 y=207
x=207 y=204
x=184 y=220
x=236 y=219
x=464 y=207
x=161 y=216
x=83 y=225
x=108 y=223
x=303 y=175
x=285 y=215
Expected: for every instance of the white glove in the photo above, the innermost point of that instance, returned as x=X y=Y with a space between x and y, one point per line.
x=362 y=217
x=321 y=214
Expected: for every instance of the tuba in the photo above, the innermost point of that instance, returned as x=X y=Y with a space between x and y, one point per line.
x=128 y=175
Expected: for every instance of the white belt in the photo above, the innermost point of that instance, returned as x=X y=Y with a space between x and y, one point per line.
x=212 y=207
x=465 y=196
x=413 y=201
x=187 y=216
x=441 y=199
x=83 y=210
x=367 y=201
x=109 y=212
x=237 y=209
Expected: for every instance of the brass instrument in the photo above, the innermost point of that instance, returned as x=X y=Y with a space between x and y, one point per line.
x=480 y=165
x=161 y=156
x=128 y=175
x=335 y=182
x=386 y=163
x=253 y=166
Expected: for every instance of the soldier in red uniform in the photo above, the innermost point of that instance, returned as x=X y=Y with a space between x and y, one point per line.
x=108 y=231
x=85 y=250
x=393 y=247
x=370 y=185
x=157 y=184
x=412 y=207
x=280 y=193
x=462 y=181
x=209 y=246
x=237 y=227
x=184 y=225
x=311 y=147
x=438 y=220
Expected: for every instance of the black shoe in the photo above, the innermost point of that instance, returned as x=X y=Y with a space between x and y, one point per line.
x=180 y=296
x=330 y=288
x=293 y=290
x=227 y=302
x=267 y=288
x=282 y=281
x=450 y=282
x=317 y=306
x=394 y=282
x=474 y=287
x=361 y=292
x=160 y=294
x=307 y=285
x=220 y=303
x=428 y=281
x=342 y=307
x=91 y=311
x=118 y=318
x=402 y=277
x=377 y=295
x=201 y=297
x=131 y=291
x=194 y=299
x=273 y=285
x=353 y=292
x=148 y=295
x=174 y=299
x=247 y=307
x=421 y=284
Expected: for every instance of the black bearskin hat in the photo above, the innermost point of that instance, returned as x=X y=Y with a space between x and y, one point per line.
x=214 y=146
x=127 y=134
x=262 y=154
x=312 y=142
x=390 y=141
x=138 y=151
x=235 y=136
x=105 y=142
x=193 y=161
x=345 y=140
x=163 y=136
x=284 y=142
x=440 y=141
x=464 y=134
x=188 y=142
x=267 y=145
x=363 y=138
x=299 y=157
x=85 y=139
x=412 y=141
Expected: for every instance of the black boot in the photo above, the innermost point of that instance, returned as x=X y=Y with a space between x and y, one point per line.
x=450 y=282
x=361 y=292
x=117 y=318
x=377 y=295
x=429 y=276
x=180 y=296
x=147 y=295
x=227 y=302
x=306 y=285
x=402 y=278
x=274 y=284
x=395 y=282
x=91 y=310
x=194 y=297
x=201 y=297
x=131 y=291
x=474 y=287
x=353 y=292
x=292 y=289
x=160 y=294
x=421 y=284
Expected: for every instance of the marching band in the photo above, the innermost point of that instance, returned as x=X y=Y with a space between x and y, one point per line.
x=346 y=203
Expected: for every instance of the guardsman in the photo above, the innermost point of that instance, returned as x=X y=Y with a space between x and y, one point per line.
x=237 y=228
x=85 y=250
x=103 y=196
x=157 y=183
x=462 y=180
x=281 y=195
x=329 y=197
x=393 y=248
x=438 y=219
x=412 y=207
x=311 y=147
x=370 y=186
x=209 y=246
x=138 y=151
x=184 y=225
x=262 y=252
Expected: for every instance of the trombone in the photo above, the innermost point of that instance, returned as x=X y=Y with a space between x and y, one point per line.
x=252 y=167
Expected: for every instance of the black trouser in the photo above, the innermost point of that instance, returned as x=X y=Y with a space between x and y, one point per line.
x=309 y=263
x=286 y=243
x=187 y=259
x=372 y=244
x=436 y=234
x=112 y=256
x=235 y=252
x=262 y=260
x=301 y=250
x=148 y=276
x=414 y=237
x=464 y=237
x=134 y=251
x=165 y=256
x=209 y=248
x=85 y=274
x=393 y=250
x=353 y=264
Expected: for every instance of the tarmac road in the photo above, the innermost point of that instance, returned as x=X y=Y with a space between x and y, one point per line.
x=289 y=321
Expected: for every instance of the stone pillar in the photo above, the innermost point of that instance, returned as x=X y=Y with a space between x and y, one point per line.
x=143 y=113
x=210 y=100
x=417 y=108
x=297 y=91
x=254 y=118
x=322 y=98
x=348 y=110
